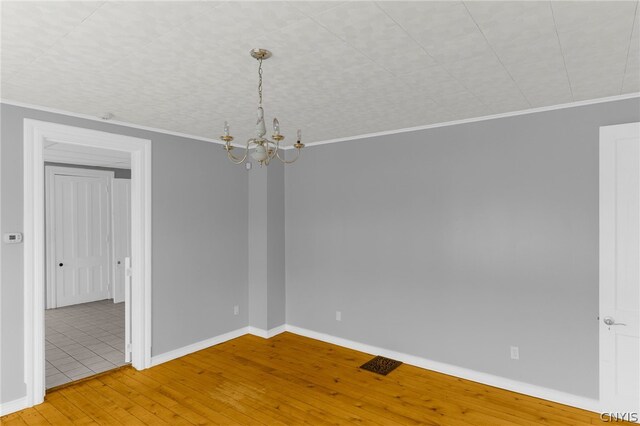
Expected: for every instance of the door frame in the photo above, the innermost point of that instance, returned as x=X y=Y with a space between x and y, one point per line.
x=114 y=265
x=607 y=237
x=50 y=240
x=36 y=134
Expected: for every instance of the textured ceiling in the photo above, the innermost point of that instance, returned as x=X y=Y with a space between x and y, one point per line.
x=339 y=68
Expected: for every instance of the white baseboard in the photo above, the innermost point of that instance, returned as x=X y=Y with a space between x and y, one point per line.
x=198 y=346
x=267 y=334
x=452 y=370
x=13 y=406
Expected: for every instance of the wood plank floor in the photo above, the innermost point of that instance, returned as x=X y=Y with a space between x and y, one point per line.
x=288 y=380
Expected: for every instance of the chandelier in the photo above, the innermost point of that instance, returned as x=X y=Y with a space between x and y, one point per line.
x=264 y=150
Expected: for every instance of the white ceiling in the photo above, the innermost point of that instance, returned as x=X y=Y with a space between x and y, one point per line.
x=339 y=68
x=56 y=152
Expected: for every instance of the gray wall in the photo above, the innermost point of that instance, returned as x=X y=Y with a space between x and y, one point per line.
x=258 y=243
x=117 y=173
x=266 y=246
x=199 y=232
x=276 y=295
x=456 y=242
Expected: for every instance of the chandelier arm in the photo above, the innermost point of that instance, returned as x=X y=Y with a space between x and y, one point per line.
x=234 y=159
x=275 y=144
x=291 y=161
x=237 y=160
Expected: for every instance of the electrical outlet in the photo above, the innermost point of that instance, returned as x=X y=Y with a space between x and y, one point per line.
x=236 y=310
x=515 y=352
x=338 y=316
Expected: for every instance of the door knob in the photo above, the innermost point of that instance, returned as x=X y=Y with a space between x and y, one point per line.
x=611 y=321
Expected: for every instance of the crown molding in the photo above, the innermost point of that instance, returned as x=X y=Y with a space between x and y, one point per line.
x=328 y=141
x=476 y=119
x=113 y=122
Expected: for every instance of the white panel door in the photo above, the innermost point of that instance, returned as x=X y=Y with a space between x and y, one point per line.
x=620 y=269
x=121 y=199
x=82 y=213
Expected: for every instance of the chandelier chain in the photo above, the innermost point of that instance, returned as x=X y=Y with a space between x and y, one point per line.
x=260 y=82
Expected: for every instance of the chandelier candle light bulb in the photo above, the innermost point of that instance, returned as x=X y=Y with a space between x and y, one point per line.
x=276 y=127
x=264 y=150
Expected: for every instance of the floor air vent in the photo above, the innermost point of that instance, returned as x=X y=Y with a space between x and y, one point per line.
x=381 y=365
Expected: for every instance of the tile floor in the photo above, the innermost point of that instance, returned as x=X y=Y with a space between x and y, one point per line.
x=82 y=340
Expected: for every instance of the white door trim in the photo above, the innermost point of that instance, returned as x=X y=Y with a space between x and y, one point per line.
x=116 y=209
x=36 y=133
x=50 y=256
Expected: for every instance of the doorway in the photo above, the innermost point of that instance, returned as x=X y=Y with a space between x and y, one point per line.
x=37 y=135
x=619 y=317
x=88 y=238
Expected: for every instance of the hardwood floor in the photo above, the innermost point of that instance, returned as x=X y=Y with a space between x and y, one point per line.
x=288 y=380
